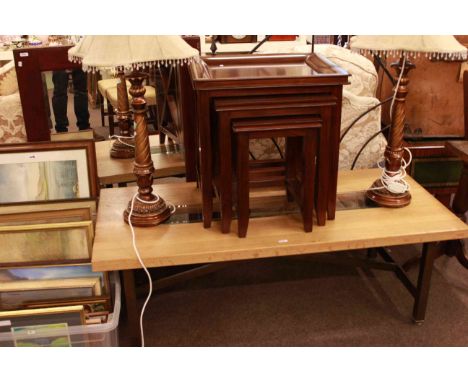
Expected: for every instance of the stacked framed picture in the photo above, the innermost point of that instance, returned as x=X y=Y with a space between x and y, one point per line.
x=48 y=203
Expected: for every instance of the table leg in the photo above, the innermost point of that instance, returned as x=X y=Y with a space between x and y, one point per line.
x=460 y=206
x=334 y=154
x=324 y=179
x=242 y=184
x=204 y=131
x=424 y=281
x=131 y=307
x=225 y=171
x=310 y=151
x=460 y=202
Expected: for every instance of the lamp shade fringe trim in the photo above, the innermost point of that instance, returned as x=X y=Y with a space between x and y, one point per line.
x=400 y=53
x=133 y=65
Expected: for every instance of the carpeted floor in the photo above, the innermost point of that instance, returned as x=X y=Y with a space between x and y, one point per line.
x=307 y=301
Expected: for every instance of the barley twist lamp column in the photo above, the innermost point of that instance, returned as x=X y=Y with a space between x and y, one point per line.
x=124 y=146
x=134 y=53
x=391 y=190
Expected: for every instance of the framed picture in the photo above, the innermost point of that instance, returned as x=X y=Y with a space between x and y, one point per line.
x=45 y=217
x=50 y=290
x=43 y=206
x=100 y=304
x=49 y=335
x=16 y=294
x=40 y=244
x=45 y=171
x=70 y=315
x=96 y=318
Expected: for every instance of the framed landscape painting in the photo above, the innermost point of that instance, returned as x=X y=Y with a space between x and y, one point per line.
x=38 y=244
x=45 y=171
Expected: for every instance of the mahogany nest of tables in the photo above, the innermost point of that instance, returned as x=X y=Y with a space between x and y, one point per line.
x=272 y=75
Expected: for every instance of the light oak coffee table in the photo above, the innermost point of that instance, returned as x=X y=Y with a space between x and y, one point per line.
x=356 y=226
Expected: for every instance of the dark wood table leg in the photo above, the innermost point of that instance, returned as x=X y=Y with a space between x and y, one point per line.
x=334 y=140
x=131 y=307
x=293 y=162
x=324 y=169
x=204 y=131
x=460 y=202
x=225 y=171
x=310 y=151
x=429 y=253
x=242 y=184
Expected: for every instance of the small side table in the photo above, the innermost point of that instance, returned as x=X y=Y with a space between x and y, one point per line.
x=460 y=203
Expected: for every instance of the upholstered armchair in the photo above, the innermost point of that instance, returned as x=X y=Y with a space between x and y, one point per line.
x=12 y=128
x=358 y=97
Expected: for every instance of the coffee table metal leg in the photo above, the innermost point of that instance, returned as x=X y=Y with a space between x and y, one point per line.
x=131 y=307
x=424 y=281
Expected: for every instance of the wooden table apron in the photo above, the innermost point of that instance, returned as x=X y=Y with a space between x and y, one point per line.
x=322 y=106
x=204 y=109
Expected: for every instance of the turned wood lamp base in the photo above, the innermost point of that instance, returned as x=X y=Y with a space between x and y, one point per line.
x=385 y=198
x=147 y=215
x=121 y=150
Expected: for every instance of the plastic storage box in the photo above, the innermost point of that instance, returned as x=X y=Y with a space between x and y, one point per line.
x=100 y=335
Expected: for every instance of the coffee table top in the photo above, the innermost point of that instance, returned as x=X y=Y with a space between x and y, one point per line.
x=168 y=161
x=185 y=242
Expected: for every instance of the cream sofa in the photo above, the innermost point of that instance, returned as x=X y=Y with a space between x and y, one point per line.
x=12 y=128
x=358 y=97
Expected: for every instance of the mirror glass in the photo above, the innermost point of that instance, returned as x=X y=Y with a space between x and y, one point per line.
x=69 y=105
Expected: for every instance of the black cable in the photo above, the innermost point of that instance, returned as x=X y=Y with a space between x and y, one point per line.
x=265 y=39
x=384 y=67
x=362 y=115
x=366 y=143
x=252 y=156
x=278 y=148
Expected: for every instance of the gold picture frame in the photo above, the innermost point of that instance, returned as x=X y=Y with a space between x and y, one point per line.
x=91 y=204
x=91 y=304
x=20 y=293
x=45 y=217
x=71 y=315
x=47 y=286
x=55 y=243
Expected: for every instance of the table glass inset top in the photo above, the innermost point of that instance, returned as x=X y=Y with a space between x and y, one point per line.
x=261 y=71
x=268 y=206
x=167 y=149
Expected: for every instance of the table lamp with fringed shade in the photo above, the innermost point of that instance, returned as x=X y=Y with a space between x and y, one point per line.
x=391 y=190
x=133 y=53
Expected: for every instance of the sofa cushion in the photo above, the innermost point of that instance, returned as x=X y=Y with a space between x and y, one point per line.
x=354 y=106
x=8 y=81
x=12 y=128
x=363 y=80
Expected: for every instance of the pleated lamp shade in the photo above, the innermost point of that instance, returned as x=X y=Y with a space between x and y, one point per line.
x=446 y=47
x=130 y=52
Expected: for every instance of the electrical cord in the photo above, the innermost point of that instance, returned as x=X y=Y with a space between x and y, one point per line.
x=394 y=181
x=120 y=137
x=137 y=252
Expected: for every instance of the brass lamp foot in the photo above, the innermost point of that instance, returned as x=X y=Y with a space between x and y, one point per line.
x=121 y=150
x=147 y=214
x=385 y=198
